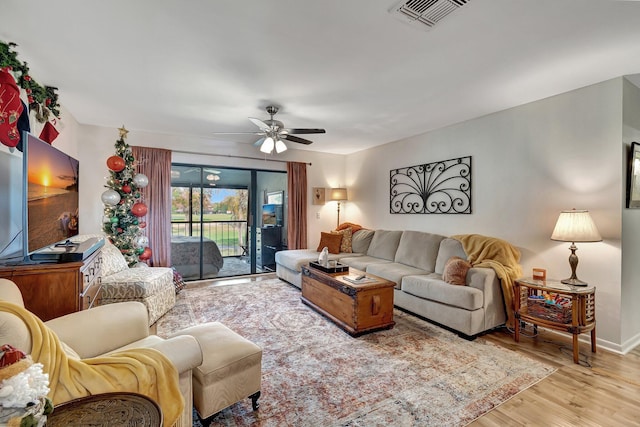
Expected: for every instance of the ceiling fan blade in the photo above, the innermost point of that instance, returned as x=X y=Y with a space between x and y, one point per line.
x=259 y=142
x=262 y=125
x=303 y=131
x=237 y=133
x=297 y=139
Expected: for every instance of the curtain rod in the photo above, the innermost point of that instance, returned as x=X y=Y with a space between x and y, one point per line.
x=234 y=156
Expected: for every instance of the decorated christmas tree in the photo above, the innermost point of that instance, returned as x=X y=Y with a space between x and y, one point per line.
x=124 y=210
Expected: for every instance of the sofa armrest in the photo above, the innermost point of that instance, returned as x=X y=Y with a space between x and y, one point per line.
x=102 y=329
x=482 y=278
x=183 y=351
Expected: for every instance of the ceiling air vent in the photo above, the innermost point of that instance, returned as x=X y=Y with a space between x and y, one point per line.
x=425 y=13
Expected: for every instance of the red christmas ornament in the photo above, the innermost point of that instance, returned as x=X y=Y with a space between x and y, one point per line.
x=139 y=209
x=126 y=188
x=142 y=224
x=115 y=163
x=146 y=254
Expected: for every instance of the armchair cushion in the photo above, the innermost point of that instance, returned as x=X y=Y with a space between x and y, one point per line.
x=112 y=260
x=153 y=286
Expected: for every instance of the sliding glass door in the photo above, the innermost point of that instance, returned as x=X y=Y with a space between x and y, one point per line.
x=214 y=233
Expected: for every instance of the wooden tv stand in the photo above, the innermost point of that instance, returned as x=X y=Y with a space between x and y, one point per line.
x=51 y=290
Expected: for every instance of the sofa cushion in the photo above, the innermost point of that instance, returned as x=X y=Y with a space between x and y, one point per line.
x=345 y=244
x=393 y=271
x=448 y=248
x=432 y=287
x=361 y=240
x=455 y=271
x=136 y=283
x=330 y=241
x=362 y=262
x=112 y=260
x=294 y=259
x=419 y=249
x=384 y=244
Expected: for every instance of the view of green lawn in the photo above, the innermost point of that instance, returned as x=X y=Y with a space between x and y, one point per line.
x=227 y=235
x=207 y=217
x=228 y=229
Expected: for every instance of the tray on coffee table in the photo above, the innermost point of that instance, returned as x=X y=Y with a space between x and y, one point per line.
x=332 y=268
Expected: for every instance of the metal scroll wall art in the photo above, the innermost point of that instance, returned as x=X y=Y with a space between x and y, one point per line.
x=432 y=188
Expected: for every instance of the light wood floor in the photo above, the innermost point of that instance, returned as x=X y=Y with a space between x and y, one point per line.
x=603 y=390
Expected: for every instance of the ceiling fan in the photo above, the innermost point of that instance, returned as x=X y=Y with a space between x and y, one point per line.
x=273 y=132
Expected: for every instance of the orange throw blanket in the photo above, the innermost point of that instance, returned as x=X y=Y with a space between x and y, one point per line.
x=504 y=258
x=142 y=370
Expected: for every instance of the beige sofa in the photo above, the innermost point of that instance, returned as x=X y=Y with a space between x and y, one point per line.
x=415 y=261
x=103 y=330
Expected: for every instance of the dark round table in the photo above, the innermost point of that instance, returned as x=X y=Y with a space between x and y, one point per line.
x=107 y=410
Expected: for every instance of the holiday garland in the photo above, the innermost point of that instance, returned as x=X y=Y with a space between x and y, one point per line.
x=42 y=99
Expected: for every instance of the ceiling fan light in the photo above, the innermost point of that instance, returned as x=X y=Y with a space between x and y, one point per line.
x=280 y=146
x=267 y=145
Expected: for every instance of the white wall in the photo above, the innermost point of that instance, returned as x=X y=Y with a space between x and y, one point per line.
x=67 y=126
x=97 y=144
x=528 y=164
x=630 y=319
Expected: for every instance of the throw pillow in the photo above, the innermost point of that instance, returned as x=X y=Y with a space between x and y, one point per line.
x=112 y=260
x=178 y=281
x=345 y=245
x=455 y=271
x=331 y=241
x=352 y=226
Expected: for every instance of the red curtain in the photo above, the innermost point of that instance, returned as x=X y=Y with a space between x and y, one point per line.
x=155 y=163
x=297 y=210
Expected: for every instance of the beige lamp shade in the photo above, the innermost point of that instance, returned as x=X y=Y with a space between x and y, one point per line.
x=338 y=194
x=575 y=226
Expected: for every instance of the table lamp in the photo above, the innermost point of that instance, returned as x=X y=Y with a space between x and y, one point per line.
x=575 y=226
x=338 y=195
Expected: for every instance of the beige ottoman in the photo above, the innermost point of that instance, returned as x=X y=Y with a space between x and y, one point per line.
x=231 y=369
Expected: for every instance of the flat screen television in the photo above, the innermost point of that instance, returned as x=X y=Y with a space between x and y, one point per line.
x=52 y=198
x=271 y=215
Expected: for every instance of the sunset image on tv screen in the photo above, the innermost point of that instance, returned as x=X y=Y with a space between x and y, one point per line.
x=52 y=194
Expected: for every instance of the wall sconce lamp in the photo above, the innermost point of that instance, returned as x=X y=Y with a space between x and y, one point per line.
x=575 y=226
x=338 y=195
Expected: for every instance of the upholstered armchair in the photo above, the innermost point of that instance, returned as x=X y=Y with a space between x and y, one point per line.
x=103 y=330
x=152 y=286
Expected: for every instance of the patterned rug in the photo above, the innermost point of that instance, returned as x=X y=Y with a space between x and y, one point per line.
x=314 y=374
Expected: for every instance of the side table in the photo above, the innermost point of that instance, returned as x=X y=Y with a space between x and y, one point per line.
x=583 y=309
x=107 y=410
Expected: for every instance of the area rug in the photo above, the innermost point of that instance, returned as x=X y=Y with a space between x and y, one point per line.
x=314 y=374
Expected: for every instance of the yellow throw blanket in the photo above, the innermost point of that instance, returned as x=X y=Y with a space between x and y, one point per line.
x=142 y=370
x=504 y=258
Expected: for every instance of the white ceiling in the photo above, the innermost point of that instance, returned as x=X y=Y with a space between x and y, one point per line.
x=202 y=66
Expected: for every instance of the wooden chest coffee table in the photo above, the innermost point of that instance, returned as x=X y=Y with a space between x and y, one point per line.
x=356 y=308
